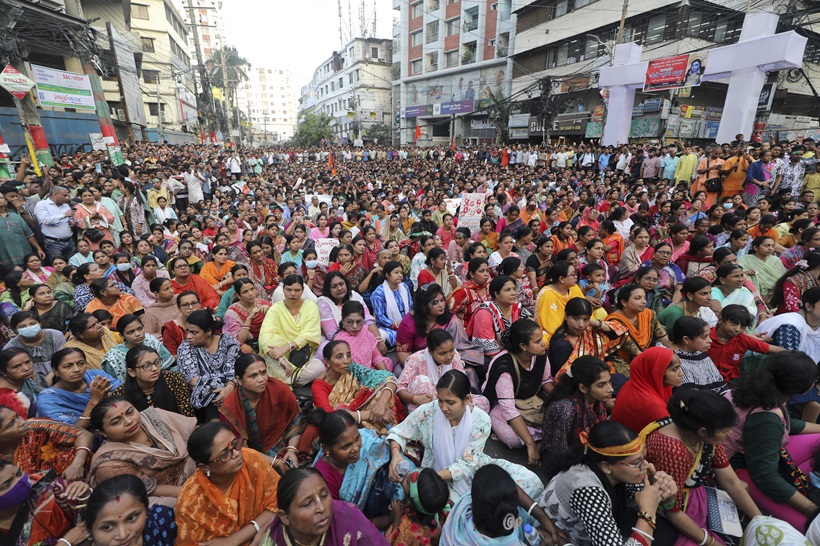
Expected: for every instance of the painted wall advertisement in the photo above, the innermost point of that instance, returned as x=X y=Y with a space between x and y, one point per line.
x=675 y=72
x=63 y=89
x=472 y=209
x=459 y=94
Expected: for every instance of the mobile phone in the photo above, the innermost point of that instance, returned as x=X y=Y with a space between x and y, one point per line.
x=98 y=166
x=290 y=463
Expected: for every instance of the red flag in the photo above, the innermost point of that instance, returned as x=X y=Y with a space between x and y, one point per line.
x=331 y=164
x=417 y=134
x=453 y=143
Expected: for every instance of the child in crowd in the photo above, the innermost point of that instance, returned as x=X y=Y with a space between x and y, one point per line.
x=730 y=341
x=418 y=518
x=593 y=281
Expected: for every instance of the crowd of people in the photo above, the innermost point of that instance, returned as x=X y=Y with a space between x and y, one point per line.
x=295 y=347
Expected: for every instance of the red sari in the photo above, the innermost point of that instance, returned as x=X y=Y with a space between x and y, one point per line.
x=265 y=425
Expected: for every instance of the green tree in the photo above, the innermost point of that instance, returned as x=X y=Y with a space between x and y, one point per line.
x=312 y=128
x=380 y=132
x=227 y=70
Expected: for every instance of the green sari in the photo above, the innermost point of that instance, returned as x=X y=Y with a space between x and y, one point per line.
x=766 y=273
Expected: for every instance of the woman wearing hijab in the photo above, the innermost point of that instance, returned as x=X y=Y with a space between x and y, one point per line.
x=643 y=398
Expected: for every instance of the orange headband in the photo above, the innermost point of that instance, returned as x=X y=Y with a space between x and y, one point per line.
x=632 y=448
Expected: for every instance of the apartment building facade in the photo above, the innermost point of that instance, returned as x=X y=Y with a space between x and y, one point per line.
x=354 y=86
x=452 y=64
x=159 y=38
x=569 y=40
x=268 y=100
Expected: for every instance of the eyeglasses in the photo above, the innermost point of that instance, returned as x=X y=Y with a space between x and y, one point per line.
x=639 y=465
x=149 y=365
x=189 y=305
x=351 y=322
x=227 y=453
x=181 y=266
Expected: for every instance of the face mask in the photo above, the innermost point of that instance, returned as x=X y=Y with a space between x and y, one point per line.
x=17 y=494
x=123 y=267
x=727 y=206
x=311 y=264
x=29 y=331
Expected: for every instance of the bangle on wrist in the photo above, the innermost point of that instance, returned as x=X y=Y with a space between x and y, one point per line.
x=64 y=540
x=646 y=535
x=83 y=448
x=533 y=505
x=359 y=417
x=83 y=418
x=255 y=526
x=649 y=519
x=292 y=448
x=705 y=538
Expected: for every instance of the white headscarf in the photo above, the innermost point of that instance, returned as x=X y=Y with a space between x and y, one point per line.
x=449 y=446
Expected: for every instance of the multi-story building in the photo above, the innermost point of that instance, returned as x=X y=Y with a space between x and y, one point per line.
x=452 y=66
x=268 y=100
x=159 y=36
x=354 y=87
x=570 y=40
x=210 y=25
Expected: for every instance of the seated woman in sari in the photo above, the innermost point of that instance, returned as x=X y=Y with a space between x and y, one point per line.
x=581 y=335
x=729 y=290
x=518 y=381
x=232 y=493
x=19 y=385
x=39 y=509
x=562 y=285
x=124 y=498
x=149 y=444
x=369 y=395
x=290 y=334
x=363 y=344
x=40 y=445
x=764 y=268
x=335 y=293
x=133 y=333
x=493 y=511
x=304 y=498
x=765 y=439
x=670 y=277
x=206 y=361
x=465 y=300
x=350 y=473
x=91 y=337
x=495 y=316
x=687 y=446
x=636 y=253
x=453 y=439
x=697 y=257
x=243 y=319
x=391 y=301
x=264 y=412
x=580 y=400
x=52 y=313
x=696 y=301
x=423 y=369
x=797 y=280
x=642 y=325
x=590 y=496
x=76 y=389
x=431 y=311
x=148 y=385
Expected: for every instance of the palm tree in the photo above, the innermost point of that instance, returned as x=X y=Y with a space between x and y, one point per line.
x=226 y=70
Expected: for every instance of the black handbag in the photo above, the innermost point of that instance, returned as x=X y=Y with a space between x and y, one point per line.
x=715 y=184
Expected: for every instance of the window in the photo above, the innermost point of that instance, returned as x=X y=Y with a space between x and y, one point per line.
x=416 y=10
x=150 y=76
x=415 y=67
x=655 y=29
x=417 y=38
x=153 y=110
x=147 y=45
x=374 y=52
x=582 y=3
x=451 y=59
x=561 y=8
x=350 y=78
x=341 y=83
x=452 y=27
x=139 y=12
x=432 y=32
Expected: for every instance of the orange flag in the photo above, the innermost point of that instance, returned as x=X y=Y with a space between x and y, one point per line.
x=417 y=134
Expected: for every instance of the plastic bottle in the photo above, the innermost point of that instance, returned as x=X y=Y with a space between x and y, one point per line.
x=403 y=468
x=531 y=536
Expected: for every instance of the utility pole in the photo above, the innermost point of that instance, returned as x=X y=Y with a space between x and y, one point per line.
x=225 y=92
x=265 y=124
x=207 y=97
x=159 y=112
x=623 y=23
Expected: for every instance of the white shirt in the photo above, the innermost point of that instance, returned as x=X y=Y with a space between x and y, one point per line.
x=53 y=221
x=194 y=183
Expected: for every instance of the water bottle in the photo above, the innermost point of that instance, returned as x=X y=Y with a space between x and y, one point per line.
x=531 y=536
x=403 y=468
